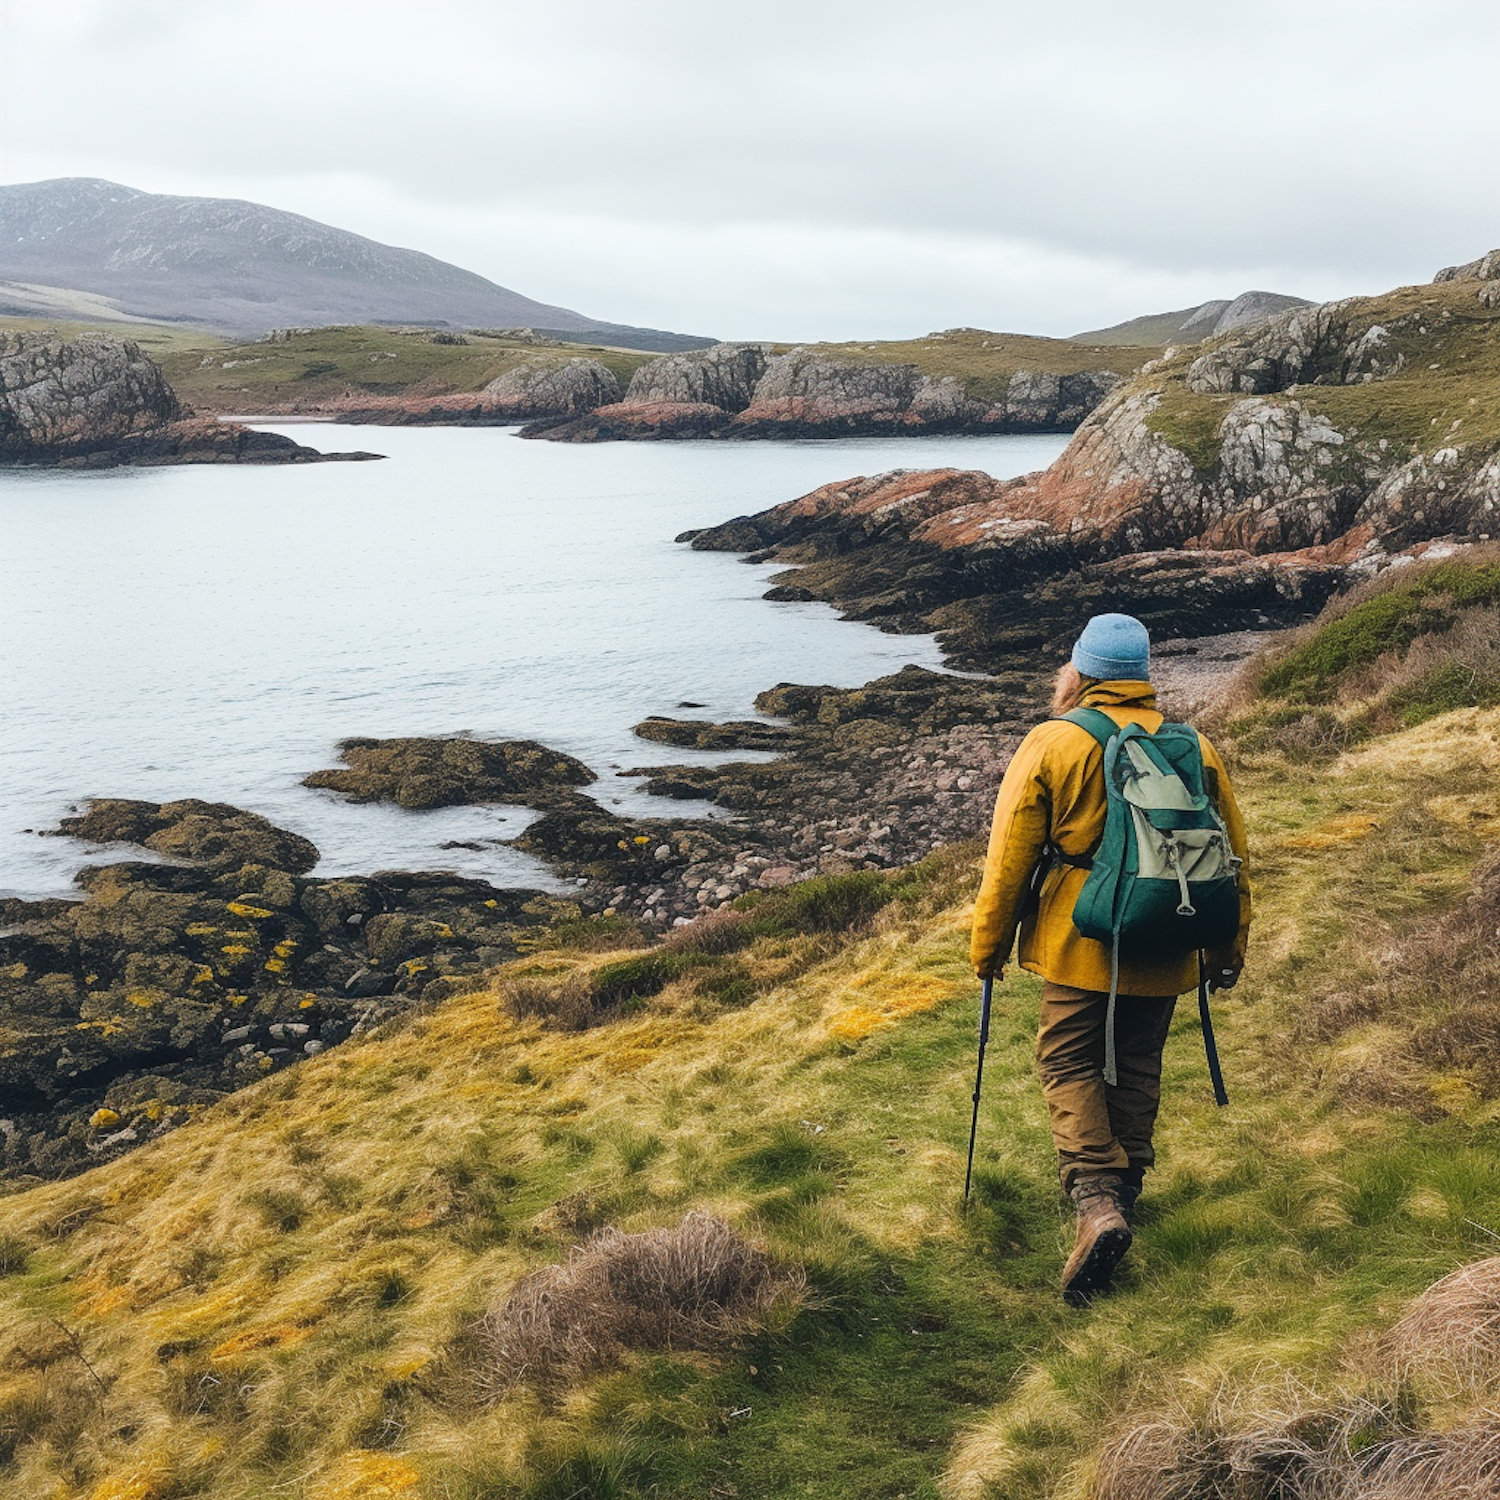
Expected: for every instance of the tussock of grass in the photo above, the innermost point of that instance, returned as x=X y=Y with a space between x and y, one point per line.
x=698 y=1286
x=1450 y=1336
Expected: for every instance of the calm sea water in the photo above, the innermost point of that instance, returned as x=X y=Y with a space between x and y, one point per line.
x=212 y=632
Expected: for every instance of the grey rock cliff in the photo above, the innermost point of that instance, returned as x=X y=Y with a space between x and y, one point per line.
x=73 y=396
x=547 y=388
x=724 y=375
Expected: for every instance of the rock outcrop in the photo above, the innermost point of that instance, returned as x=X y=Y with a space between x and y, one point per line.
x=170 y=985
x=97 y=401
x=744 y=391
x=724 y=375
x=937 y=551
x=1228 y=490
x=547 y=388
x=1486 y=269
x=417 y=773
x=77 y=396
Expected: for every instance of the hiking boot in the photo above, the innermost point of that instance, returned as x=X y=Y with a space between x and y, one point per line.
x=1131 y=1181
x=1103 y=1236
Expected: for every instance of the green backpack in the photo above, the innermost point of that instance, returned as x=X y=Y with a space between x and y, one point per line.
x=1163 y=881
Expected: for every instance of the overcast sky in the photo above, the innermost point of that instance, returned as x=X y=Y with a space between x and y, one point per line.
x=804 y=168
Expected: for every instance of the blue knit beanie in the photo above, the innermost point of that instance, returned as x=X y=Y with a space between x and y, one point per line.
x=1114 y=648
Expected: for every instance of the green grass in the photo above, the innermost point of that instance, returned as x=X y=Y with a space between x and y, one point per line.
x=1409 y=604
x=334 y=1231
x=332 y=362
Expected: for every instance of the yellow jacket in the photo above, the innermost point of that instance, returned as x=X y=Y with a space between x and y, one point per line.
x=1054 y=789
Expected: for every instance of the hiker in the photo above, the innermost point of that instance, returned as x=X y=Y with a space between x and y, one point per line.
x=1102 y=1091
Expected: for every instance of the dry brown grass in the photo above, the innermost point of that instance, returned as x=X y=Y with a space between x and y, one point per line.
x=1326 y=1455
x=1451 y=1334
x=1366 y=1446
x=1440 y=981
x=695 y=1287
x=562 y=1002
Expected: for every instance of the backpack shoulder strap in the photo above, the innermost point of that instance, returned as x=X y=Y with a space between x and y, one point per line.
x=1093 y=721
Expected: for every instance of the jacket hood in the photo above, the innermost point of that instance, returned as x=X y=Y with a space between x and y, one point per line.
x=1121 y=694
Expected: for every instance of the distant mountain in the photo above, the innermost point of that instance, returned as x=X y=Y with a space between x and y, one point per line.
x=242 y=268
x=1189 y=325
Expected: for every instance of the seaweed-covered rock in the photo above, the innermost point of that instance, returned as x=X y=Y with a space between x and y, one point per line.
x=212 y=833
x=700 y=734
x=418 y=773
x=169 y=985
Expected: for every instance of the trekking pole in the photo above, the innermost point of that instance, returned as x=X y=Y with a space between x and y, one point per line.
x=984 y=1037
x=1210 y=1047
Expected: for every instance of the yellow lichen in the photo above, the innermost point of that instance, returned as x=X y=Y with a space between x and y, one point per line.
x=1330 y=832
x=244 y=909
x=365 y=1475
x=275 y=1336
x=903 y=995
x=234 y=950
x=104 y=1119
x=143 y=998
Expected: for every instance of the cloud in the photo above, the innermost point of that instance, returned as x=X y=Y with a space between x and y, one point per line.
x=768 y=166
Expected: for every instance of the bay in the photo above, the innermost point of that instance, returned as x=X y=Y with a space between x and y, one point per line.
x=214 y=631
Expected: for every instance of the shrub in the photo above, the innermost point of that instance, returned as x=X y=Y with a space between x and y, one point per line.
x=697 y=1286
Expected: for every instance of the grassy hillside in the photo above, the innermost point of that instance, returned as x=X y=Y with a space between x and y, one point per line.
x=1447 y=390
x=328 y=364
x=280 y=1298
x=331 y=364
x=157 y=339
x=985 y=361
x=1152 y=328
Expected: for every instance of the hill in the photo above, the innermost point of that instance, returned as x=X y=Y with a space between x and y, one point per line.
x=284 y=1296
x=239 y=268
x=1191 y=325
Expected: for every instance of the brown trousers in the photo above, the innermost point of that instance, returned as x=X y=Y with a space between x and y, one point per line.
x=1096 y=1127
